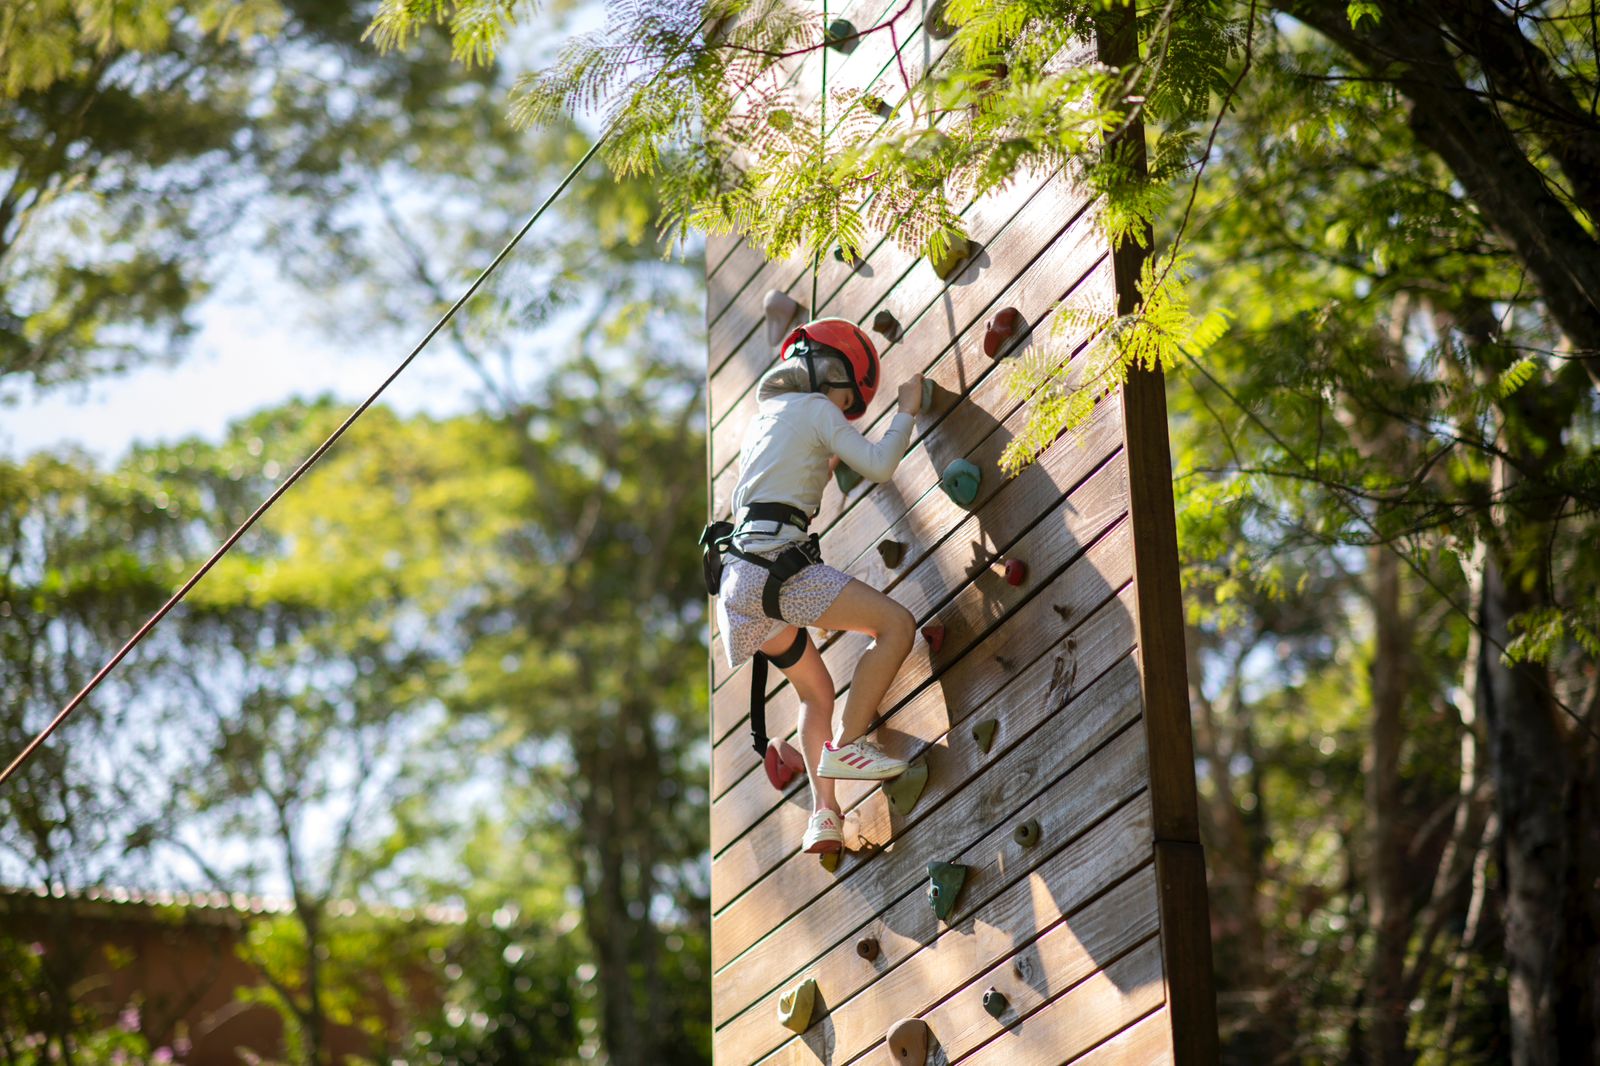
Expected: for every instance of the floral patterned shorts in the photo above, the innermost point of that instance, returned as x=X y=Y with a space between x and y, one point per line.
x=803 y=598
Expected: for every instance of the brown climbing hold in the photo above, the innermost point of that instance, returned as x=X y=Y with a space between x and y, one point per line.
x=955 y=255
x=1027 y=833
x=893 y=553
x=783 y=763
x=984 y=732
x=908 y=1041
x=905 y=790
x=1000 y=331
x=795 y=1005
x=781 y=310
x=849 y=259
x=887 y=325
x=867 y=948
x=934 y=635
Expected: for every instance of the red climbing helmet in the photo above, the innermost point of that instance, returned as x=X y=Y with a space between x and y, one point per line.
x=836 y=336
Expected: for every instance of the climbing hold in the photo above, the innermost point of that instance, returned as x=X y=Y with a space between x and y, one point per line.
x=830 y=860
x=845 y=478
x=867 y=948
x=1026 y=833
x=1001 y=330
x=877 y=105
x=905 y=790
x=908 y=1042
x=935 y=23
x=944 y=885
x=994 y=1002
x=842 y=36
x=849 y=259
x=1015 y=571
x=795 y=1005
x=934 y=635
x=781 y=310
x=886 y=324
x=960 y=481
x=1005 y=663
x=984 y=732
x=929 y=392
x=783 y=763
x=958 y=252
x=893 y=552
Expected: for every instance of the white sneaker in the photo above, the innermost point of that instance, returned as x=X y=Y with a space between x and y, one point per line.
x=859 y=760
x=825 y=832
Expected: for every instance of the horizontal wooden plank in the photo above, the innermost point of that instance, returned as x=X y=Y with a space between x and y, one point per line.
x=1148 y=1042
x=1044 y=621
x=1093 y=1010
x=865 y=998
x=1068 y=953
x=968 y=826
x=1077 y=521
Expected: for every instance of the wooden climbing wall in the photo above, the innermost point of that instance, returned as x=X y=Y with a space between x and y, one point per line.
x=1098 y=935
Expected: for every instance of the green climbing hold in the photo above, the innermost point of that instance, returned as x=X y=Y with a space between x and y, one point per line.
x=984 y=732
x=845 y=478
x=905 y=790
x=955 y=255
x=944 y=885
x=830 y=861
x=780 y=120
x=795 y=1005
x=960 y=481
x=994 y=1002
x=842 y=36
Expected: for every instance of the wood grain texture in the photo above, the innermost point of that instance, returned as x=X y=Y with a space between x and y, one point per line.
x=973 y=827
x=1148 y=1042
x=1104 y=1005
x=867 y=997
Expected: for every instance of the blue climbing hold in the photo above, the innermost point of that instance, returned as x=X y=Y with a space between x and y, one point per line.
x=960 y=481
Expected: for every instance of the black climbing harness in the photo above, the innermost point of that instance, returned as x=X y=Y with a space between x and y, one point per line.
x=717 y=541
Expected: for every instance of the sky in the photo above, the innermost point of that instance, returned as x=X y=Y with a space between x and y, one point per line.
x=248 y=354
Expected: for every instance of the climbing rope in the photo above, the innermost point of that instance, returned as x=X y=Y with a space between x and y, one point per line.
x=223 y=549
x=816 y=254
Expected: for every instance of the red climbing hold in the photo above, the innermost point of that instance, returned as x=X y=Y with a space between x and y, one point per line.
x=783 y=763
x=1016 y=572
x=934 y=635
x=999 y=331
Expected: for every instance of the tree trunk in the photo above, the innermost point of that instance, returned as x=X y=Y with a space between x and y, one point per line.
x=1388 y=897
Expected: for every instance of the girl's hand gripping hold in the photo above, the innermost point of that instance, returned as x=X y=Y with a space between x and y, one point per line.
x=911 y=395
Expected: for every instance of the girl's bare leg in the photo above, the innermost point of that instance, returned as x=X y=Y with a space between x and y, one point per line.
x=861 y=608
x=813 y=684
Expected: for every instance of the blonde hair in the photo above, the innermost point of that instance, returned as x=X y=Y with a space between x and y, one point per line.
x=791 y=375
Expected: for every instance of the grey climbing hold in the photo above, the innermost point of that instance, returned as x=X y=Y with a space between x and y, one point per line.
x=887 y=325
x=960 y=481
x=994 y=1002
x=908 y=1042
x=929 y=392
x=904 y=791
x=795 y=1005
x=893 y=553
x=1027 y=833
x=984 y=732
x=845 y=478
x=935 y=23
x=842 y=36
x=944 y=887
x=781 y=310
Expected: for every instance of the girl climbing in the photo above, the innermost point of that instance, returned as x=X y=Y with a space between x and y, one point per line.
x=775 y=583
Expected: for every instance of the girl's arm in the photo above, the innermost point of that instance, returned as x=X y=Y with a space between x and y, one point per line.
x=875 y=462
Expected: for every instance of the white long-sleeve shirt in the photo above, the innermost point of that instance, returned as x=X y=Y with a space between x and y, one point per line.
x=785 y=456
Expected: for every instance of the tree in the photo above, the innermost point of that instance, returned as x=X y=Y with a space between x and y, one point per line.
x=1459 y=361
